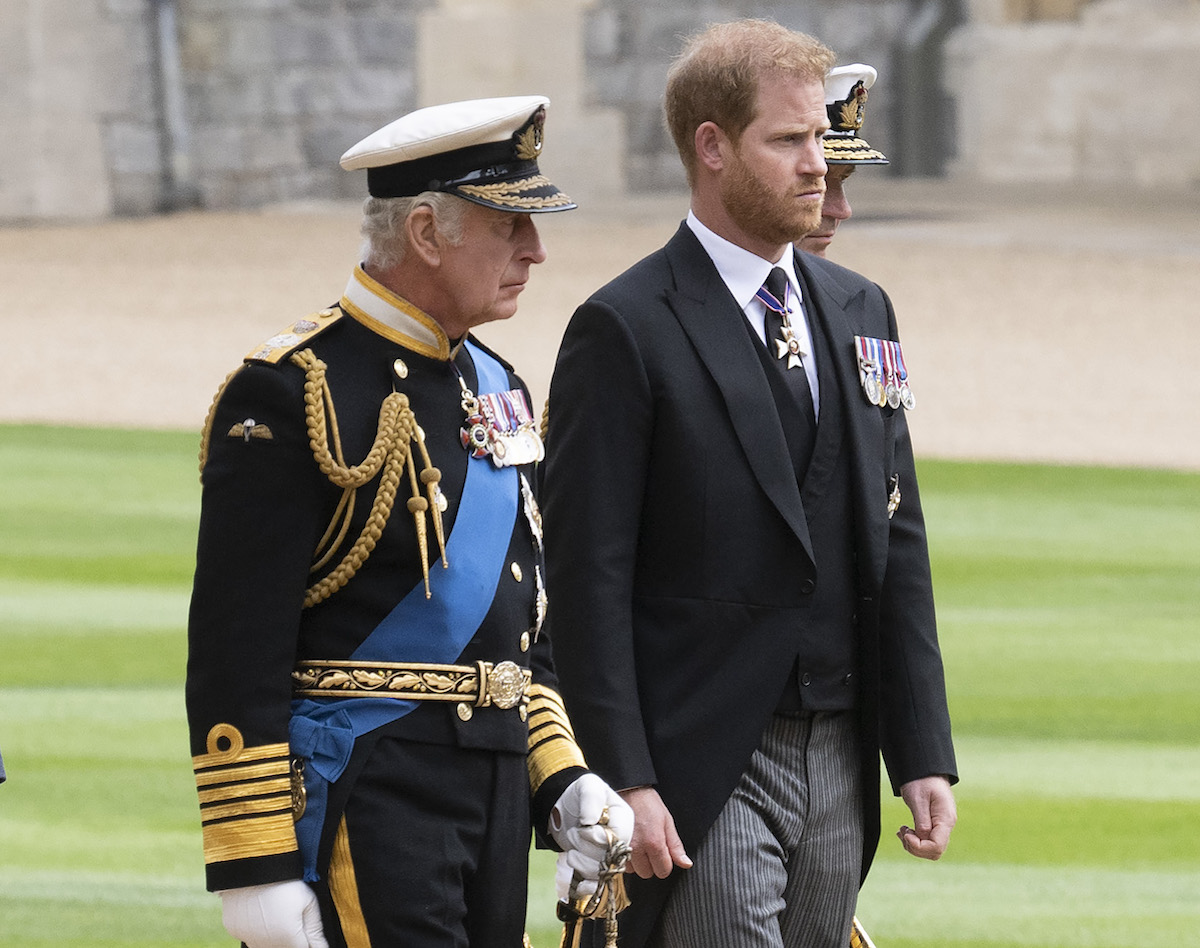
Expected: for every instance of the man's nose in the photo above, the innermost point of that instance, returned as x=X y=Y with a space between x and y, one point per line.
x=813 y=159
x=532 y=247
x=836 y=205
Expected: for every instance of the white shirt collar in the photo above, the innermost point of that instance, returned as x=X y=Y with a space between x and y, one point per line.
x=743 y=272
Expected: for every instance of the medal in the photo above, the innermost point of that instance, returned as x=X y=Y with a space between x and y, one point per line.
x=788 y=344
x=869 y=368
x=907 y=399
x=883 y=374
x=475 y=434
x=533 y=516
x=500 y=425
x=893 y=503
x=513 y=436
x=533 y=513
x=891 y=389
x=871 y=386
x=541 y=604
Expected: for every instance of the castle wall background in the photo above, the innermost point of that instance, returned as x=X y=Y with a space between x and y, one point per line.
x=128 y=107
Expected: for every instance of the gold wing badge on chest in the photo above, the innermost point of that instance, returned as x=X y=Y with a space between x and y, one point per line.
x=882 y=372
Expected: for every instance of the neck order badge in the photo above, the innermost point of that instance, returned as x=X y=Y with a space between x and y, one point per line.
x=774 y=295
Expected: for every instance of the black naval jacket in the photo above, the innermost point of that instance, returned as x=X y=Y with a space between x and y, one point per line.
x=680 y=560
x=267 y=504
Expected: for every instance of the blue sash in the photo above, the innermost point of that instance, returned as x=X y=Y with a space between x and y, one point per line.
x=418 y=629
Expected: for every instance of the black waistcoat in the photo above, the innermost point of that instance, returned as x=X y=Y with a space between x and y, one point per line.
x=826 y=669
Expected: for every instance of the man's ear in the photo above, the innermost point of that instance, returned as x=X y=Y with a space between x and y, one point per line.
x=423 y=237
x=711 y=146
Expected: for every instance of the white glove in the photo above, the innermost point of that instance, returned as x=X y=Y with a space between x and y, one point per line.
x=276 y=915
x=564 y=875
x=575 y=825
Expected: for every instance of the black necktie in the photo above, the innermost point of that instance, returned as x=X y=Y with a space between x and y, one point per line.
x=783 y=355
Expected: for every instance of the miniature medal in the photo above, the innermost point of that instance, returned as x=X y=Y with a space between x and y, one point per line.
x=891 y=388
x=883 y=374
x=514 y=436
x=907 y=399
x=500 y=425
x=869 y=368
x=871 y=384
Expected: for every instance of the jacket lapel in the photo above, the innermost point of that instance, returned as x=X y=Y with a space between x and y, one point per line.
x=839 y=311
x=708 y=314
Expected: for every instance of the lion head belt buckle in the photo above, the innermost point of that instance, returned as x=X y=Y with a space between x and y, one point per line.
x=504 y=685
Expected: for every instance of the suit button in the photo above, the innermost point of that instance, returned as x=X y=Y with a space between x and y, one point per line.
x=806 y=679
x=807 y=586
x=846 y=680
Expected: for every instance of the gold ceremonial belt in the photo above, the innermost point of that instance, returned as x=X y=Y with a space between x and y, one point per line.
x=504 y=685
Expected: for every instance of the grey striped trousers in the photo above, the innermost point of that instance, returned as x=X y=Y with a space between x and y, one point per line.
x=780 y=866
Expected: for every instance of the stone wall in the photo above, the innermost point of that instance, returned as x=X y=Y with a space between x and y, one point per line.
x=630 y=45
x=71 y=74
x=271 y=93
x=276 y=90
x=266 y=94
x=1104 y=96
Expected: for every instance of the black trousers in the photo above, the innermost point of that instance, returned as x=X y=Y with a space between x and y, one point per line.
x=431 y=850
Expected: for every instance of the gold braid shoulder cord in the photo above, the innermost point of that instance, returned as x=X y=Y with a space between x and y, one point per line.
x=392 y=452
x=398 y=428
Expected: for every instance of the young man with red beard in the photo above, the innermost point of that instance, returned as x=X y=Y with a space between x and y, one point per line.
x=743 y=610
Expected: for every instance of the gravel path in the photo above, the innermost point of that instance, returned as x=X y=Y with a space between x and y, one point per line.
x=1060 y=326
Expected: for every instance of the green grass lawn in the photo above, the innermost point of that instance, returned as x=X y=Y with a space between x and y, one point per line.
x=1069 y=603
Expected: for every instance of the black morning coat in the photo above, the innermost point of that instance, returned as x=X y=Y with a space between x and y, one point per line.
x=678 y=550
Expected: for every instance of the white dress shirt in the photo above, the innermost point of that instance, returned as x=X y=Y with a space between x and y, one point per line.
x=744 y=273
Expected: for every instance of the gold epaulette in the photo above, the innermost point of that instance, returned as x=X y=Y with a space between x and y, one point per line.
x=301 y=331
x=552 y=746
x=249 y=797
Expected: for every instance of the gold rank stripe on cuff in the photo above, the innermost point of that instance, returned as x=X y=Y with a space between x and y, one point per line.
x=552 y=746
x=245 y=797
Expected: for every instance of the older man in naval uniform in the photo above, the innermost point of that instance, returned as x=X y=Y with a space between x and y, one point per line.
x=374 y=716
x=845 y=148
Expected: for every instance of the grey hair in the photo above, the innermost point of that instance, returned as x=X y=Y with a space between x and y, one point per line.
x=383 y=220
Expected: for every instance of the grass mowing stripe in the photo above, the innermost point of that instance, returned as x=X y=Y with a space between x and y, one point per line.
x=1067 y=600
x=1079 y=770
x=1067 y=603
x=110 y=888
x=1035 y=831
x=1001 y=905
x=98 y=504
x=95 y=608
x=125 y=659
